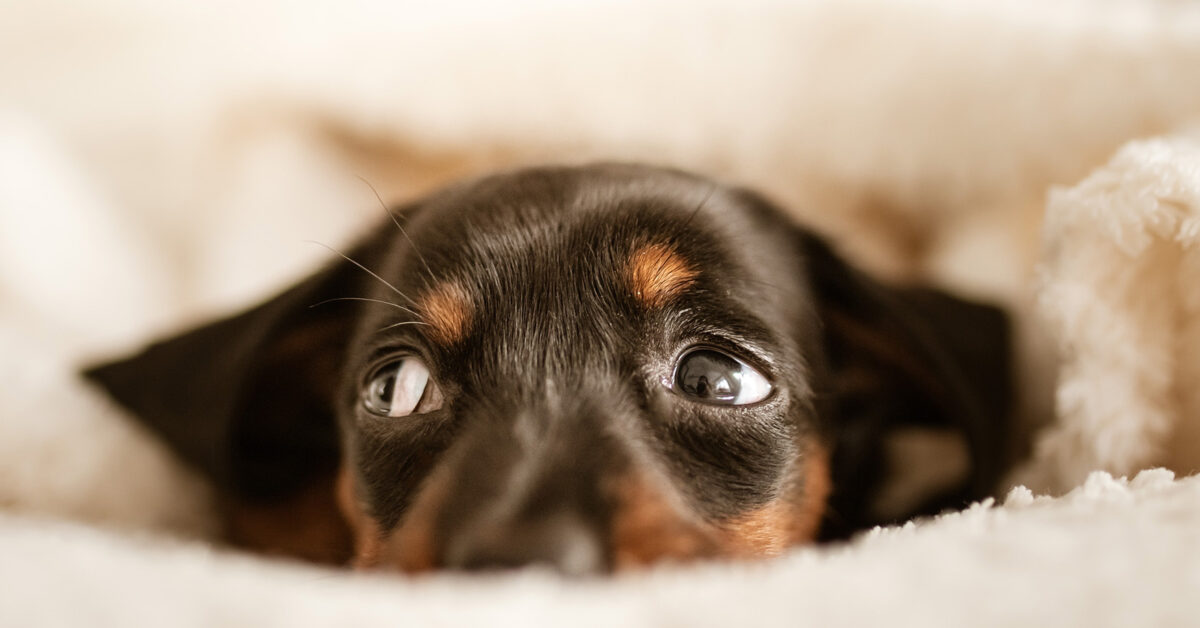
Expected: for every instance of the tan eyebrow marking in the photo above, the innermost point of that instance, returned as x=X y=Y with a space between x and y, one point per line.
x=447 y=310
x=658 y=273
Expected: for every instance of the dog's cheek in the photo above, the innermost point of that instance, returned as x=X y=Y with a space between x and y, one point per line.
x=727 y=468
x=306 y=525
x=794 y=518
x=814 y=489
x=365 y=531
x=397 y=473
x=648 y=527
x=761 y=532
x=412 y=546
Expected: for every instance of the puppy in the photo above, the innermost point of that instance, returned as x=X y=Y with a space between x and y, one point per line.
x=589 y=368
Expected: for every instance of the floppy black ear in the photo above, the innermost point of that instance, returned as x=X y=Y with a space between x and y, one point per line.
x=905 y=361
x=248 y=400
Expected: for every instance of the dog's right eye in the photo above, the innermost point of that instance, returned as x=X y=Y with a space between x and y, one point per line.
x=400 y=388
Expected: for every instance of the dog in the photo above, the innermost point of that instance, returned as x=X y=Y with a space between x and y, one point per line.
x=589 y=368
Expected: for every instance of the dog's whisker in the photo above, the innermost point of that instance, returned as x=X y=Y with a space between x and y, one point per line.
x=380 y=301
x=396 y=222
x=712 y=188
x=401 y=324
x=763 y=283
x=366 y=270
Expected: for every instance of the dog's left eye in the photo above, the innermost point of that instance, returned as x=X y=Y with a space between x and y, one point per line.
x=711 y=376
x=400 y=388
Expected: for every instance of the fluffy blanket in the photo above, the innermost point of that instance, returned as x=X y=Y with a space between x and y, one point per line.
x=1120 y=290
x=161 y=164
x=1110 y=553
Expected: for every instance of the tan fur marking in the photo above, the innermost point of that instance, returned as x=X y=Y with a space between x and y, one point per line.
x=792 y=520
x=658 y=273
x=815 y=487
x=762 y=532
x=447 y=310
x=368 y=540
x=306 y=525
x=411 y=547
x=648 y=529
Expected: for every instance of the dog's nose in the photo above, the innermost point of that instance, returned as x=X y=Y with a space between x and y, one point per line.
x=562 y=542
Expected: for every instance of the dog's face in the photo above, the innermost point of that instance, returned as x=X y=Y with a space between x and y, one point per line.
x=598 y=367
x=591 y=368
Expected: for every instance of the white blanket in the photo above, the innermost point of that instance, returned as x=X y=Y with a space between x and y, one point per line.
x=161 y=164
x=1120 y=289
x=1108 y=554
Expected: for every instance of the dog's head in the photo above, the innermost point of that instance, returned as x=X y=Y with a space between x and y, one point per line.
x=588 y=367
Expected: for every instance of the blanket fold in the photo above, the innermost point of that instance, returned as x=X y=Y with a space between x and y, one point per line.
x=1120 y=291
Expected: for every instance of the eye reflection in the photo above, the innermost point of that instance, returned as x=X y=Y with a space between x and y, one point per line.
x=714 y=377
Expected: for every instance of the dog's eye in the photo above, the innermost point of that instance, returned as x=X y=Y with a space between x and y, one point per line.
x=400 y=388
x=711 y=376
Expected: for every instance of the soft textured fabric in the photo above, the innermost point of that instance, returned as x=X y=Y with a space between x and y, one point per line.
x=1120 y=289
x=1110 y=553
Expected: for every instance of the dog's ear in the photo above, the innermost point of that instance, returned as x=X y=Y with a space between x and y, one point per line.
x=906 y=364
x=248 y=400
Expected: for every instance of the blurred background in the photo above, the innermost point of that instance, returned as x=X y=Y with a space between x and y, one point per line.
x=164 y=162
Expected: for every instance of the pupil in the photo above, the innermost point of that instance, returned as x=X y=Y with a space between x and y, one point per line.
x=382 y=390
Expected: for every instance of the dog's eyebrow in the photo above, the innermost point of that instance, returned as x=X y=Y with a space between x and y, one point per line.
x=447 y=309
x=658 y=273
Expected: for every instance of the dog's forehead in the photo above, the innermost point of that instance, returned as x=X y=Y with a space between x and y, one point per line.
x=574 y=256
x=575 y=234
x=598 y=220
x=533 y=206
